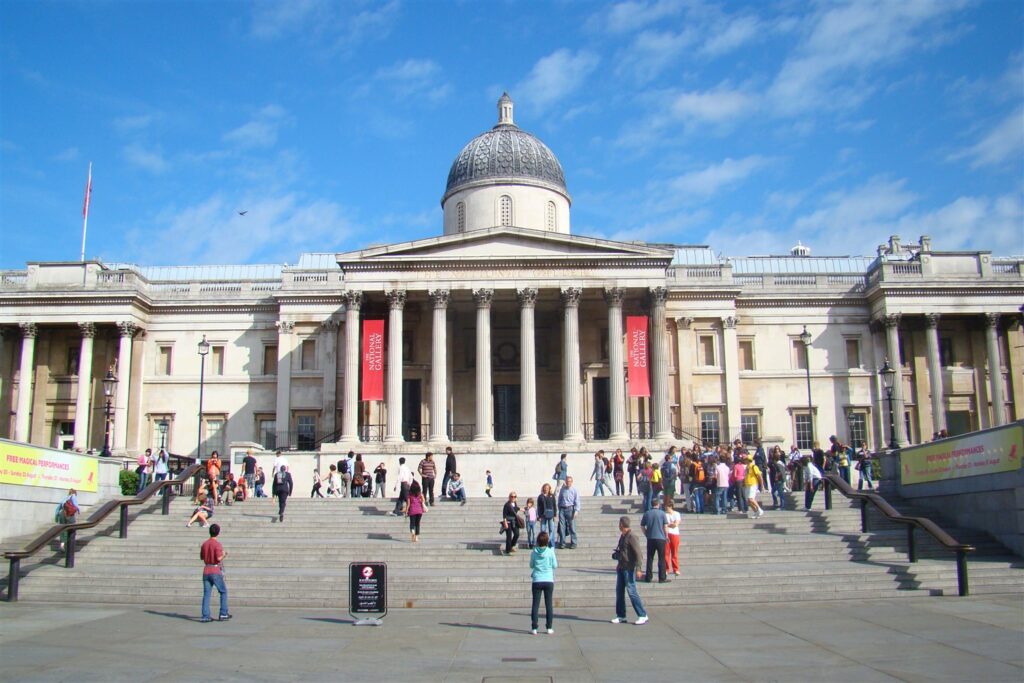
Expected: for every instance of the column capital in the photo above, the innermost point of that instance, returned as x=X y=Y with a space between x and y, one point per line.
x=992 y=320
x=396 y=299
x=285 y=326
x=353 y=299
x=891 y=320
x=659 y=295
x=931 y=320
x=126 y=328
x=331 y=325
x=613 y=296
x=440 y=297
x=28 y=329
x=87 y=329
x=684 y=323
x=483 y=297
x=729 y=322
x=571 y=296
x=527 y=297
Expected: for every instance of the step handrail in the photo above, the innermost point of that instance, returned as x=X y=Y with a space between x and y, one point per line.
x=97 y=516
x=833 y=480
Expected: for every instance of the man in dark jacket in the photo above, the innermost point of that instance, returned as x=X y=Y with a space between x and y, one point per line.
x=449 y=470
x=628 y=556
x=282 y=489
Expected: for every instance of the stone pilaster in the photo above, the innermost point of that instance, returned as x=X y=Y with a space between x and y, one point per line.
x=731 y=361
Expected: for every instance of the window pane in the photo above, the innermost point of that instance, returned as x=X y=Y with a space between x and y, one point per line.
x=852 y=353
x=709 y=429
x=214 y=436
x=750 y=428
x=306 y=432
x=858 y=429
x=268 y=434
x=802 y=422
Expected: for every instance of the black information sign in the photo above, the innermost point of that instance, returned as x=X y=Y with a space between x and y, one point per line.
x=368 y=588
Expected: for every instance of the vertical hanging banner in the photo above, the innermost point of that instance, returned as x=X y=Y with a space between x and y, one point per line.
x=637 y=352
x=373 y=360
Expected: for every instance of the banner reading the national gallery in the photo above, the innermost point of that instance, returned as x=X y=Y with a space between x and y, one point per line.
x=988 y=452
x=637 y=353
x=373 y=360
x=30 y=466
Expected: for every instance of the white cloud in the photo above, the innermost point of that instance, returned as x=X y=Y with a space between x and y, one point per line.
x=554 y=77
x=1005 y=142
x=732 y=35
x=713 y=105
x=626 y=17
x=151 y=160
x=261 y=131
x=69 y=154
x=338 y=26
x=127 y=124
x=971 y=223
x=651 y=52
x=420 y=78
x=710 y=180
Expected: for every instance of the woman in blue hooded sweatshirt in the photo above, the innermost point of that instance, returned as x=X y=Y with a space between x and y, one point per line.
x=542 y=570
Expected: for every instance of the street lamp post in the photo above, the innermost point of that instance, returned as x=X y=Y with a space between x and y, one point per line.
x=805 y=337
x=163 y=426
x=888 y=375
x=109 y=382
x=204 y=348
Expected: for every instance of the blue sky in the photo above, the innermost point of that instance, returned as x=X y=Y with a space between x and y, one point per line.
x=742 y=126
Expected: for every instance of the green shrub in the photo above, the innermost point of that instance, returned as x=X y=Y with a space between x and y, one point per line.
x=129 y=482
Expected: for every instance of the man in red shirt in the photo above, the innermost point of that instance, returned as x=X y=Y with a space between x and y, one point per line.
x=212 y=554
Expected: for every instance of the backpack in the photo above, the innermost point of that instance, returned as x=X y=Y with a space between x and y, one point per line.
x=656 y=476
x=69 y=508
x=279 y=478
x=343 y=466
x=698 y=473
x=668 y=471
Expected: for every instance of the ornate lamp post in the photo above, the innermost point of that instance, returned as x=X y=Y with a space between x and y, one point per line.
x=204 y=348
x=805 y=338
x=888 y=375
x=109 y=383
x=163 y=426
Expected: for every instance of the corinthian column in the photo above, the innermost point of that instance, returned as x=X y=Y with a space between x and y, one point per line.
x=935 y=371
x=350 y=398
x=126 y=330
x=659 y=359
x=527 y=365
x=484 y=429
x=439 y=367
x=83 y=399
x=892 y=344
x=995 y=369
x=396 y=306
x=617 y=383
x=28 y=347
x=571 y=363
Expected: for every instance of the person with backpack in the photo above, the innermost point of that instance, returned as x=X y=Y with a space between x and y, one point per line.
x=753 y=484
x=67 y=513
x=345 y=469
x=282 y=489
x=697 y=486
x=617 y=472
x=643 y=485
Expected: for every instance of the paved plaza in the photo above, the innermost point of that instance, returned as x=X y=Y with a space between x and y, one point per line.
x=912 y=639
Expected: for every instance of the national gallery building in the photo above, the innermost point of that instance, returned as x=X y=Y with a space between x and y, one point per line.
x=510 y=332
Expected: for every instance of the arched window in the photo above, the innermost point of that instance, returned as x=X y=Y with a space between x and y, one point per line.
x=460 y=216
x=551 y=216
x=506 y=210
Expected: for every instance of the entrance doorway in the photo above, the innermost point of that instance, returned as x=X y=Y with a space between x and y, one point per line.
x=507 y=424
x=411 y=406
x=602 y=408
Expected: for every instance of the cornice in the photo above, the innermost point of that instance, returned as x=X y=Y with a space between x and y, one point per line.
x=516 y=262
x=858 y=301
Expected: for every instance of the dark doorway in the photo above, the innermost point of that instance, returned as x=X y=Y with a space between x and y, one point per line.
x=958 y=422
x=507 y=422
x=602 y=408
x=411 y=406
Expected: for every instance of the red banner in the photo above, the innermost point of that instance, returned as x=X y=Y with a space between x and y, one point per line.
x=373 y=360
x=637 y=351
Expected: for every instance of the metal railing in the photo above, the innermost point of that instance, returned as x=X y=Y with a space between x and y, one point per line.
x=833 y=480
x=122 y=504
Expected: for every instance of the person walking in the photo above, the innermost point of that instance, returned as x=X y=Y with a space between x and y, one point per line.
x=598 y=474
x=672 y=522
x=405 y=481
x=318 y=485
x=283 y=485
x=249 y=469
x=777 y=477
x=334 y=482
x=543 y=563
x=261 y=482
x=627 y=556
x=561 y=473
x=161 y=468
x=449 y=470
x=489 y=483
x=212 y=554
x=415 y=507
x=617 y=472
x=510 y=521
x=653 y=524
x=345 y=469
x=358 y=477
x=67 y=513
x=428 y=472
x=568 y=509
x=722 y=474
x=547 y=510
x=812 y=480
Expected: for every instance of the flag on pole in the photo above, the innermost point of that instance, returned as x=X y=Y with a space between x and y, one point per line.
x=88 y=193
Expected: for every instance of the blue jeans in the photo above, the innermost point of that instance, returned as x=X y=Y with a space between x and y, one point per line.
x=567 y=526
x=648 y=496
x=143 y=480
x=721 y=499
x=458 y=495
x=160 y=477
x=209 y=582
x=865 y=478
x=546 y=589
x=625 y=582
x=844 y=472
x=698 y=498
x=531 y=527
x=548 y=525
x=778 y=496
x=632 y=479
x=599 y=487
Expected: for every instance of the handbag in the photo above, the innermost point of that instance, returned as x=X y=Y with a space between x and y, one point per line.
x=519 y=522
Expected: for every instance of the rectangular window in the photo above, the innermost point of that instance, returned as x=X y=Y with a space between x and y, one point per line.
x=803 y=431
x=858 y=428
x=853 y=353
x=213 y=428
x=706 y=350
x=216 y=360
x=710 y=427
x=946 y=356
x=71 y=368
x=270 y=360
x=305 y=432
x=163 y=361
x=750 y=427
x=798 y=354
x=903 y=351
x=267 y=433
x=309 y=354
x=746 y=354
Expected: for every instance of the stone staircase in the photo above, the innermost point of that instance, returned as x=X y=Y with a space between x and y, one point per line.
x=303 y=562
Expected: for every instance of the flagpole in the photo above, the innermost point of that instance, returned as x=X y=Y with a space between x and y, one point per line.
x=85 y=210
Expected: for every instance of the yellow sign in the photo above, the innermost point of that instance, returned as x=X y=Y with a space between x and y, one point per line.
x=30 y=466
x=988 y=452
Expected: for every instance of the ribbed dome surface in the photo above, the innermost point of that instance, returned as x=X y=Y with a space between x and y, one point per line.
x=505 y=151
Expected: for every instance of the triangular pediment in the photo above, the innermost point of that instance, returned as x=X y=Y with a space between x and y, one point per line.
x=506 y=243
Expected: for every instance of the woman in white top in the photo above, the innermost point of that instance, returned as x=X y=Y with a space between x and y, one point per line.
x=812 y=479
x=674 y=518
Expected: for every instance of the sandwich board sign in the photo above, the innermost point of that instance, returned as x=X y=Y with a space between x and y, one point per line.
x=368 y=592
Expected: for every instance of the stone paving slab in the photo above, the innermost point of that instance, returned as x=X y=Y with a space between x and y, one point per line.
x=977 y=639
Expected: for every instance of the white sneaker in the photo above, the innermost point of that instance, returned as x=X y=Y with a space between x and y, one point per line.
x=641 y=621
x=616 y=620
x=533 y=631
x=761 y=513
x=551 y=631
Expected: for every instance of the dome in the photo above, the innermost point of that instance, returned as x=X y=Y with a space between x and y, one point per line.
x=505 y=154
